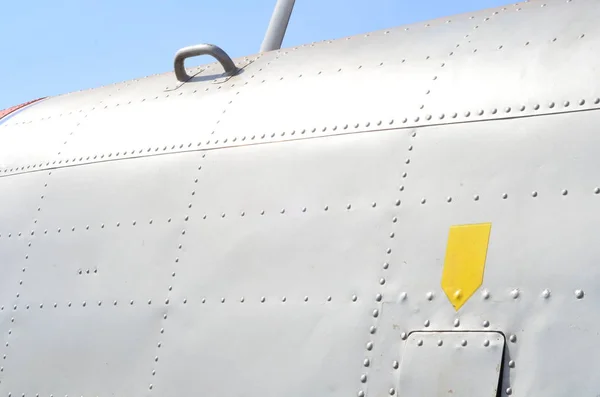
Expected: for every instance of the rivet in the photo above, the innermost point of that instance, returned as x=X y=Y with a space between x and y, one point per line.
x=165 y=316
x=430 y=296
x=329 y=298
x=366 y=362
x=565 y=192
x=363 y=378
x=386 y=265
x=375 y=313
x=404 y=295
x=428 y=117
x=581 y=102
x=485 y=294
x=441 y=116
x=579 y=294
x=369 y=345
x=426 y=323
x=486 y=323
x=546 y=293
x=597 y=190
x=382 y=281
x=511 y=364
x=262 y=299
x=467 y=113
x=507 y=109
x=486 y=343
x=222 y=300
x=395 y=219
x=354 y=298
x=454 y=115
x=303 y=209
x=534 y=194
x=505 y=195
x=361 y=393
x=423 y=200
x=456 y=322
x=463 y=342
x=476 y=197
x=494 y=111
x=551 y=105
x=417 y=119
x=536 y=106
x=514 y=293
x=509 y=391
x=395 y=364
x=512 y=338
x=420 y=342
x=596 y=101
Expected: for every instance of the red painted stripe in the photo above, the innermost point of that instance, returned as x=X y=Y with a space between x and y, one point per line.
x=6 y=112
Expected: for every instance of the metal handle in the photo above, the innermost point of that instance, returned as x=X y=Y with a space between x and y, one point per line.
x=202 y=49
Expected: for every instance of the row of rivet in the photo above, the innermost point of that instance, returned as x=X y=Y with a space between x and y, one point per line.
x=379 y=299
x=515 y=293
x=187 y=218
x=485 y=293
x=355 y=126
x=504 y=196
x=179 y=246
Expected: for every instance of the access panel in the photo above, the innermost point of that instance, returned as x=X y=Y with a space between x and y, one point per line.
x=457 y=364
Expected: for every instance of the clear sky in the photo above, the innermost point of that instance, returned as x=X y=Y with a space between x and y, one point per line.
x=50 y=47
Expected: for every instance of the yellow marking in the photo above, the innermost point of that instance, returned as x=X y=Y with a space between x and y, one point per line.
x=465 y=261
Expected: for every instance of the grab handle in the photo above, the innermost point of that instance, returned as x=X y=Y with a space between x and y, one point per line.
x=202 y=49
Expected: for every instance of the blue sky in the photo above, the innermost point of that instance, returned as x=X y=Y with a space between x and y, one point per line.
x=58 y=46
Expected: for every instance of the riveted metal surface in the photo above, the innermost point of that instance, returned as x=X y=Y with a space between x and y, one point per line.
x=303 y=275
x=97 y=274
x=26 y=147
x=303 y=266
x=539 y=242
x=521 y=61
x=77 y=350
x=451 y=363
x=347 y=85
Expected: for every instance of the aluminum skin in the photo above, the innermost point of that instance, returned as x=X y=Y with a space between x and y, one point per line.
x=283 y=230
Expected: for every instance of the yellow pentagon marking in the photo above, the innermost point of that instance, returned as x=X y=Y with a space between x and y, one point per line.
x=465 y=261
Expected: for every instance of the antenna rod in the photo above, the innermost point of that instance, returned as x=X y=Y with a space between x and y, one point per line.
x=277 y=25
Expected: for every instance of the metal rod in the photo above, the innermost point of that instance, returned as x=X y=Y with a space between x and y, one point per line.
x=277 y=25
